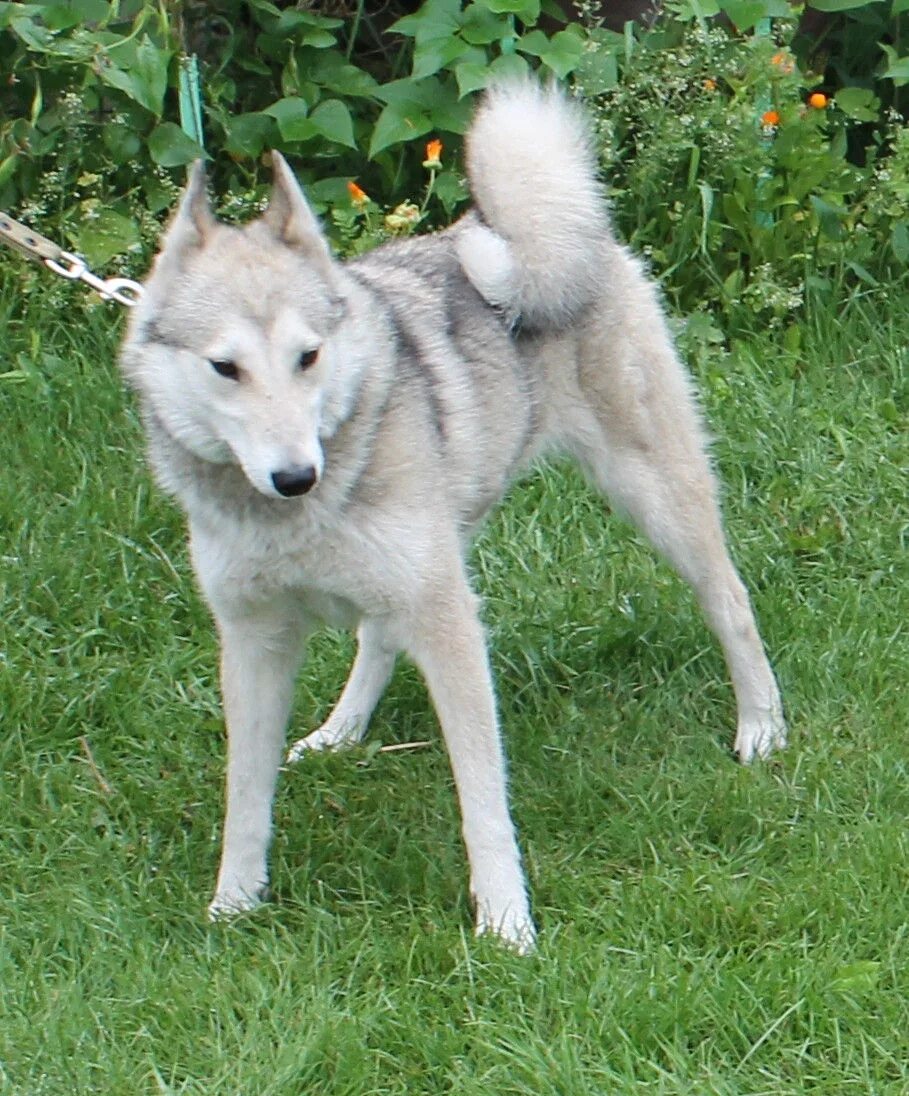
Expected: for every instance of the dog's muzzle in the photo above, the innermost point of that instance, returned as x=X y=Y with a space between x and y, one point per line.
x=294 y=481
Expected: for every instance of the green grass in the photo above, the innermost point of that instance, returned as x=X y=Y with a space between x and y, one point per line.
x=704 y=928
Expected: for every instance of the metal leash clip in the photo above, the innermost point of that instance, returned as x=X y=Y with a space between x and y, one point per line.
x=32 y=244
x=124 y=291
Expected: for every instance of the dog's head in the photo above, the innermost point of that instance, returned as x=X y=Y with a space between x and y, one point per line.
x=234 y=342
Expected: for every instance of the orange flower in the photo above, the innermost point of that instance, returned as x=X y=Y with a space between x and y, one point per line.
x=783 y=62
x=818 y=100
x=433 y=159
x=709 y=85
x=358 y=195
x=770 y=118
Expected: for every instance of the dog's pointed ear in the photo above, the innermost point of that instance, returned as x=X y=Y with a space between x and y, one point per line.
x=288 y=214
x=194 y=220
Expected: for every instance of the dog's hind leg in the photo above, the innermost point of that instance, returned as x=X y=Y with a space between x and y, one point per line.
x=650 y=461
x=259 y=658
x=347 y=723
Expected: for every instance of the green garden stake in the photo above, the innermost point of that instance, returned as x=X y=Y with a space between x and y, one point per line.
x=761 y=216
x=191 y=99
x=509 y=40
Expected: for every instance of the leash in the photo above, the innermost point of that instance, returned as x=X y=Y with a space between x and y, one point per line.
x=33 y=245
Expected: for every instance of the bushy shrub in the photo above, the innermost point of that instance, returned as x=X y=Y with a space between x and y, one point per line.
x=730 y=171
x=89 y=133
x=752 y=162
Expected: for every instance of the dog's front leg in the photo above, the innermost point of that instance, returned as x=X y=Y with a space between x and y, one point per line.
x=259 y=657
x=449 y=647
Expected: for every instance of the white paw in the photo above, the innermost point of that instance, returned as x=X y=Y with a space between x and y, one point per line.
x=327 y=737
x=759 y=736
x=514 y=927
x=230 y=903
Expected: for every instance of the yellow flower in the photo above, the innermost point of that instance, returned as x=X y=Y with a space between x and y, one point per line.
x=818 y=100
x=358 y=195
x=709 y=85
x=433 y=159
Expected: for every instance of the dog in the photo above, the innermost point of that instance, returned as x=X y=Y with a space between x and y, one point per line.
x=336 y=432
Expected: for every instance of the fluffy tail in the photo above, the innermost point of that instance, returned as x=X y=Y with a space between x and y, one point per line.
x=533 y=176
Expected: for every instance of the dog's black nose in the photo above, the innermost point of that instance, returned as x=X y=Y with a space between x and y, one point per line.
x=294 y=481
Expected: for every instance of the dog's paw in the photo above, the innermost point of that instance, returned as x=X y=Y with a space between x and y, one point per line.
x=760 y=736
x=514 y=928
x=327 y=737
x=230 y=903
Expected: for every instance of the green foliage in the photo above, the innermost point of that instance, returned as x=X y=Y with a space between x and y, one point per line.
x=90 y=101
x=742 y=218
x=736 y=181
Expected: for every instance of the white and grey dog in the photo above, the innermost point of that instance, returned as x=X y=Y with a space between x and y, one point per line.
x=335 y=433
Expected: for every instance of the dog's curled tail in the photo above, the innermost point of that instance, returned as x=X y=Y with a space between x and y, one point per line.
x=536 y=247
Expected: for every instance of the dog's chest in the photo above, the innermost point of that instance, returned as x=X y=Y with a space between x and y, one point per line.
x=336 y=572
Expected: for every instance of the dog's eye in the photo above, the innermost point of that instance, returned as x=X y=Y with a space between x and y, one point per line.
x=225 y=368
x=307 y=358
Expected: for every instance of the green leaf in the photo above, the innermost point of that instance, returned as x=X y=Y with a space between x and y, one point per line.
x=597 y=71
x=528 y=11
x=292 y=116
x=9 y=12
x=331 y=71
x=481 y=27
x=158 y=196
x=858 y=103
x=408 y=92
x=106 y=235
x=837 y=5
x=317 y=38
x=830 y=217
x=534 y=42
x=471 y=77
x=139 y=70
x=434 y=20
x=332 y=119
x=899 y=241
x=121 y=141
x=291 y=21
x=35 y=36
x=169 y=146
x=73 y=12
x=744 y=13
x=897 y=67
x=398 y=122
x=8 y=168
x=861 y=272
x=510 y=66
x=433 y=54
x=248 y=134
x=450 y=188
x=563 y=53
x=332 y=190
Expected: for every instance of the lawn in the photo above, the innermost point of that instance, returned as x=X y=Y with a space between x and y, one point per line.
x=704 y=928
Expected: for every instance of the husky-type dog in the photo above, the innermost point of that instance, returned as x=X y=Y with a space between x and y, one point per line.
x=336 y=432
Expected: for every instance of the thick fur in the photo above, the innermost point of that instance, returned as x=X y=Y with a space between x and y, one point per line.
x=399 y=395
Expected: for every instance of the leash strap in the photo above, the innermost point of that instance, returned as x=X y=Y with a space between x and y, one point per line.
x=28 y=242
